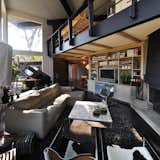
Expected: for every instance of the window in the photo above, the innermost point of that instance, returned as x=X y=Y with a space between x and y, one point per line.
x=24 y=35
x=20 y=62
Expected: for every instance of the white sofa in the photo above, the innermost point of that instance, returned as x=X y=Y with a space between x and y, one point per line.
x=39 y=119
x=29 y=113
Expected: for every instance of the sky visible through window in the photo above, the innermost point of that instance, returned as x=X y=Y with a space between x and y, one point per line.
x=27 y=39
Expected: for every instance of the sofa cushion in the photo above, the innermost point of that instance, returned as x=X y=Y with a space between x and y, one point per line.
x=27 y=102
x=54 y=111
x=48 y=94
x=38 y=99
x=61 y=99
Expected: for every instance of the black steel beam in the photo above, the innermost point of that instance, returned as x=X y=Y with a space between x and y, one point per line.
x=70 y=32
x=80 y=9
x=60 y=40
x=99 y=17
x=48 y=48
x=90 y=16
x=52 y=22
x=55 y=23
x=116 y=23
x=67 y=7
x=53 y=45
x=133 y=11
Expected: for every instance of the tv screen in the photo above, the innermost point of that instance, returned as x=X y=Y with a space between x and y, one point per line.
x=107 y=73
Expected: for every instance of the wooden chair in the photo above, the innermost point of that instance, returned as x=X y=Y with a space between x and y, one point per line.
x=9 y=155
x=51 y=154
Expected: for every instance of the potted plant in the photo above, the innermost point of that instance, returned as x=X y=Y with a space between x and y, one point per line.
x=125 y=77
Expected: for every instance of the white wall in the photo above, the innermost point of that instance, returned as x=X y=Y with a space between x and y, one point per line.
x=3 y=22
x=47 y=61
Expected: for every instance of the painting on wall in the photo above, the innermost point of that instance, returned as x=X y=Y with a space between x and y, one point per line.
x=104 y=89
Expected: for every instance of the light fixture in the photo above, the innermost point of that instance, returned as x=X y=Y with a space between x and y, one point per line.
x=87 y=66
x=84 y=62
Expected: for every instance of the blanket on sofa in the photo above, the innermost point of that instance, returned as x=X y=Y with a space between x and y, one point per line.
x=38 y=98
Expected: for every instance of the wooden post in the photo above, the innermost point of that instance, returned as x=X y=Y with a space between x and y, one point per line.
x=52 y=45
x=133 y=11
x=70 y=32
x=48 y=48
x=90 y=17
x=60 y=39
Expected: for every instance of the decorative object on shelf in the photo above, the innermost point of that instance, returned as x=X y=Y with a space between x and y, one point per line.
x=127 y=62
x=136 y=52
x=98 y=58
x=130 y=52
x=103 y=63
x=94 y=75
x=125 y=77
x=122 y=54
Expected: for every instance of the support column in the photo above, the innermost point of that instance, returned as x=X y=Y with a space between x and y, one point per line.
x=47 y=66
x=70 y=32
x=60 y=39
x=90 y=17
x=133 y=12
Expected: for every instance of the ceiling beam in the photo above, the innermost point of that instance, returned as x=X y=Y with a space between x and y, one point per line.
x=67 y=7
x=100 y=45
x=52 y=22
x=119 y=48
x=84 y=50
x=99 y=17
x=69 y=57
x=126 y=35
x=86 y=54
x=55 y=23
x=75 y=54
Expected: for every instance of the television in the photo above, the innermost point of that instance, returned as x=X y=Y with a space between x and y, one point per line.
x=108 y=74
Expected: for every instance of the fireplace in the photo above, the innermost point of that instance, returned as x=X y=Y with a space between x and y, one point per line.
x=152 y=76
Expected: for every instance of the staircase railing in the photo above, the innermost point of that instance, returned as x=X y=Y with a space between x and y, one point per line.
x=82 y=20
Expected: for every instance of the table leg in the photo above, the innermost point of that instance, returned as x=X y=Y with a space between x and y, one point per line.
x=101 y=143
x=96 y=143
x=99 y=152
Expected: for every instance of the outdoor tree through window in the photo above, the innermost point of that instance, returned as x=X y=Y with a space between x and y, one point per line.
x=25 y=36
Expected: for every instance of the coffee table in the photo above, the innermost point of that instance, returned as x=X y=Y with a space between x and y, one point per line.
x=83 y=110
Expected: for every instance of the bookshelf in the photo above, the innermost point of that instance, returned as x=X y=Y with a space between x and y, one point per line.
x=128 y=62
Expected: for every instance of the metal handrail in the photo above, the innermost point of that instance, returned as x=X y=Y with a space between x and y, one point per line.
x=81 y=8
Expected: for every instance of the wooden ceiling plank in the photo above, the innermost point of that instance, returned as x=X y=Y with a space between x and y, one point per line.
x=118 y=48
x=84 y=50
x=100 y=45
x=74 y=53
x=128 y=36
x=69 y=57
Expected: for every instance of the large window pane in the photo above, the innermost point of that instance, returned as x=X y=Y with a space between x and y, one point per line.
x=25 y=36
x=20 y=62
